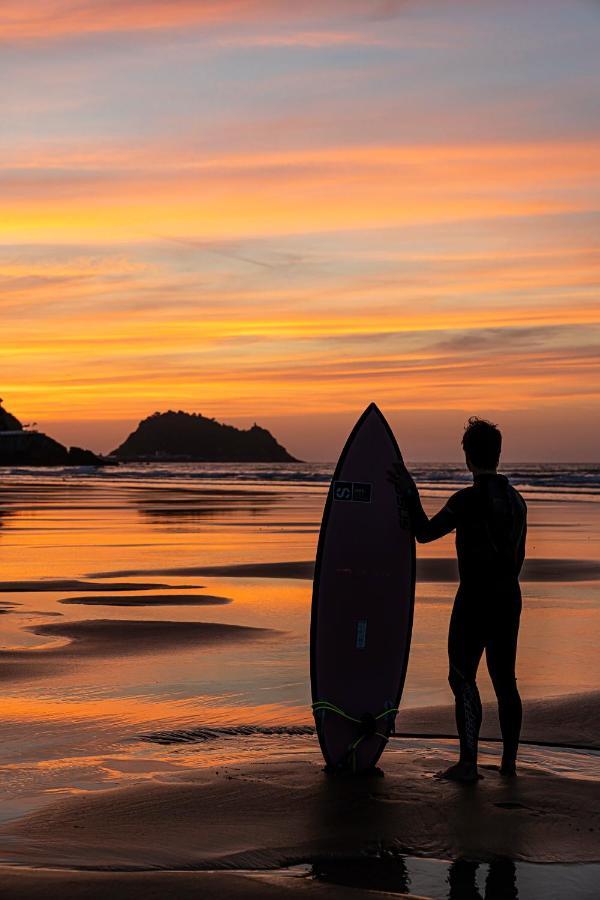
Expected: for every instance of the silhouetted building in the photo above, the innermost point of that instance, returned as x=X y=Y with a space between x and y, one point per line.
x=20 y=446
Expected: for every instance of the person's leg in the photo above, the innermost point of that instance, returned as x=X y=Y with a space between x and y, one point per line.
x=501 y=654
x=465 y=647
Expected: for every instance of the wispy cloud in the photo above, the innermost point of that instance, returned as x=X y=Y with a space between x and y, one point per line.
x=30 y=20
x=335 y=189
x=224 y=249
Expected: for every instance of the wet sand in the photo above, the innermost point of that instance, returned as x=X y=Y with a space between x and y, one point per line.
x=73 y=584
x=429 y=569
x=88 y=640
x=303 y=569
x=151 y=600
x=38 y=884
x=136 y=748
x=280 y=812
x=108 y=637
x=572 y=721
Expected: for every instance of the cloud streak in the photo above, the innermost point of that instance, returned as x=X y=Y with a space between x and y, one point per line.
x=334 y=189
x=30 y=20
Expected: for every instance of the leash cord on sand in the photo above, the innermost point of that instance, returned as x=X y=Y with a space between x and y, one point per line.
x=369 y=727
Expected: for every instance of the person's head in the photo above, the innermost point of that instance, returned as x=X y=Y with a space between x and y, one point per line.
x=482 y=443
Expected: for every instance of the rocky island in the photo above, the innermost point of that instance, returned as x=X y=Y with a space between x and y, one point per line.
x=21 y=446
x=191 y=437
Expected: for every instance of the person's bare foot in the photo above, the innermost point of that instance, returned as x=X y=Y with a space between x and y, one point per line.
x=508 y=769
x=463 y=772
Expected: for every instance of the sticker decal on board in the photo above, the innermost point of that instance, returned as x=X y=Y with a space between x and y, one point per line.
x=403 y=513
x=342 y=490
x=352 y=491
x=361 y=634
x=361 y=492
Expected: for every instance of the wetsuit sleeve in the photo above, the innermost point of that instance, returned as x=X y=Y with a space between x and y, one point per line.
x=424 y=528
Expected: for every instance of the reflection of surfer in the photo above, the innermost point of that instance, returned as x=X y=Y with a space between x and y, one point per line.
x=490 y=523
x=500 y=884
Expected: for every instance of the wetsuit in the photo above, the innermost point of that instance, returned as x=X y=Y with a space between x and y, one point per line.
x=490 y=519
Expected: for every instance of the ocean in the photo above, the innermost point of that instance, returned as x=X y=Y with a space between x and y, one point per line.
x=140 y=519
x=111 y=638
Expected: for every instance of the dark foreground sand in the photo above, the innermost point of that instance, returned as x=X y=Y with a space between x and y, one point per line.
x=282 y=810
x=429 y=569
x=40 y=884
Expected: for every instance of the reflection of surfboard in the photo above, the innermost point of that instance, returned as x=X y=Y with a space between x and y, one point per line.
x=363 y=597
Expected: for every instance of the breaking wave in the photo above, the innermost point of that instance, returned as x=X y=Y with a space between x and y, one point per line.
x=536 y=479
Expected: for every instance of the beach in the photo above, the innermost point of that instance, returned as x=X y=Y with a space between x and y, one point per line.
x=156 y=700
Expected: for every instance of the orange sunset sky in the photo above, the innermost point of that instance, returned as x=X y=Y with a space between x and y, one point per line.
x=281 y=211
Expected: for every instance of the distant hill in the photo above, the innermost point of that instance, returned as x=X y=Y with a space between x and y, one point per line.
x=8 y=422
x=191 y=437
x=22 y=447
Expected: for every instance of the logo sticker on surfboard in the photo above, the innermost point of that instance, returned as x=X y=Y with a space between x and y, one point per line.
x=403 y=513
x=361 y=634
x=352 y=491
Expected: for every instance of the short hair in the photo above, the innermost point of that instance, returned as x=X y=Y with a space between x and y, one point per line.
x=482 y=443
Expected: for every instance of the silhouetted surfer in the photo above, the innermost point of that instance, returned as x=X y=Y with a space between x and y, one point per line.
x=490 y=521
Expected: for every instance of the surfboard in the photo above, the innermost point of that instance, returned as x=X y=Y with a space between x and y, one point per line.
x=362 y=603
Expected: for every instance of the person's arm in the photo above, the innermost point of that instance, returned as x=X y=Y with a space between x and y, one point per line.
x=520 y=551
x=423 y=528
x=426 y=529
